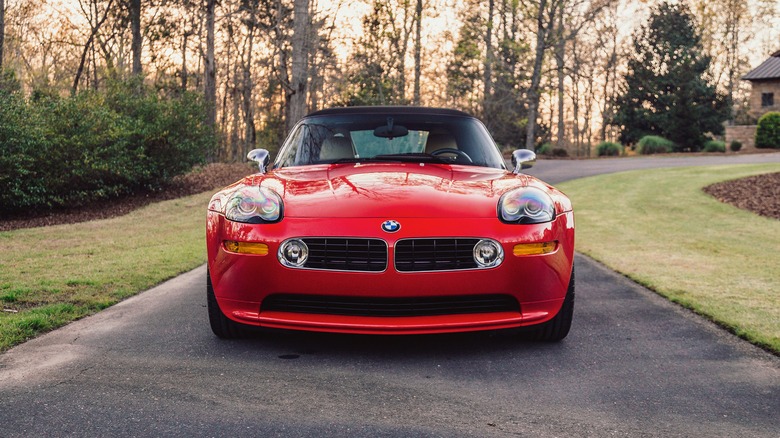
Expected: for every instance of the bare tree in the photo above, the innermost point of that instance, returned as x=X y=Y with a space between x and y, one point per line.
x=560 y=52
x=2 y=31
x=188 y=31
x=735 y=19
x=209 y=80
x=298 y=86
x=767 y=17
x=417 y=50
x=545 y=15
x=607 y=46
x=724 y=27
x=137 y=40
x=248 y=82
x=488 y=66
x=573 y=16
x=88 y=46
x=323 y=61
x=399 y=39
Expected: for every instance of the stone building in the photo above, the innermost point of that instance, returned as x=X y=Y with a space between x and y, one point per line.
x=764 y=97
x=765 y=83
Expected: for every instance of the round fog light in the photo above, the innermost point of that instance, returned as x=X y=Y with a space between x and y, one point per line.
x=293 y=253
x=488 y=253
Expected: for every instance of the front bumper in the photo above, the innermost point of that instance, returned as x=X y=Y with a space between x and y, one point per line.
x=241 y=282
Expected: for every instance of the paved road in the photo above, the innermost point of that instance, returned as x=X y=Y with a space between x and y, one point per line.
x=556 y=171
x=633 y=365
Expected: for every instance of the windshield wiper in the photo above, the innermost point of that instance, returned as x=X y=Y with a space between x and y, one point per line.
x=345 y=160
x=412 y=157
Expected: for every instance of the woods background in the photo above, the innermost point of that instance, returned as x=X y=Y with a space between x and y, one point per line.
x=534 y=71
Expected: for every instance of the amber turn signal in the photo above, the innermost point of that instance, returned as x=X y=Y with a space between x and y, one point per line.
x=246 y=247
x=523 y=249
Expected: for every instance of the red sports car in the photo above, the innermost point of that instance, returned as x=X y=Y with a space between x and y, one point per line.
x=390 y=220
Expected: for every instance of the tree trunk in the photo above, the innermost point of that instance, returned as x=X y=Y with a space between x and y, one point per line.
x=283 y=68
x=417 y=50
x=300 y=54
x=185 y=37
x=235 y=97
x=536 y=77
x=576 y=135
x=560 y=48
x=93 y=52
x=2 y=32
x=588 y=116
x=248 y=86
x=488 y=69
x=400 y=42
x=210 y=80
x=608 y=94
x=315 y=64
x=136 y=44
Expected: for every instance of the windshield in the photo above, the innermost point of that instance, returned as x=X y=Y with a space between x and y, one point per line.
x=389 y=137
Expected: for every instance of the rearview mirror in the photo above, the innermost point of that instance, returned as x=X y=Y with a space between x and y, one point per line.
x=523 y=159
x=261 y=156
x=391 y=130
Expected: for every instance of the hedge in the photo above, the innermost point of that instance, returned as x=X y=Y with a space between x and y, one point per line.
x=768 y=131
x=653 y=144
x=64 y=152
x=609 y=149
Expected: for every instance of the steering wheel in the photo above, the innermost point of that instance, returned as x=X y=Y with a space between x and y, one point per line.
x=459 y=153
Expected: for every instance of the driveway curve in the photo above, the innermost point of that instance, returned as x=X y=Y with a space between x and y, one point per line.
x=557 y=171
x=633 y=365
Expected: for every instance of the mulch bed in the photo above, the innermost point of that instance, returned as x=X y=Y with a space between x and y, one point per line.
x=759 y=194
x=202 y=179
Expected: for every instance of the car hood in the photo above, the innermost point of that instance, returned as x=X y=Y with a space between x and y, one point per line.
x=393 y=190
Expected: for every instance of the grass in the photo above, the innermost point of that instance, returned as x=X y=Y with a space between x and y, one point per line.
x=50 y=276
x=660 y=229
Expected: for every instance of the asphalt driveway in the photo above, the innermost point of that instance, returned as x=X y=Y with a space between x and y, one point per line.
x=556 y=171
x=633 y=365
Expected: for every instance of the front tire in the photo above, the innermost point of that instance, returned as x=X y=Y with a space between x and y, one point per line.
x=557 y=328
x=221 y=325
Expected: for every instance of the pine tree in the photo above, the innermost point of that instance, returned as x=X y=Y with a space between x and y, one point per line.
x=667 y=91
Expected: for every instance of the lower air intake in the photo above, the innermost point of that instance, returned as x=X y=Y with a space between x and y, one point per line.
x=367 y=306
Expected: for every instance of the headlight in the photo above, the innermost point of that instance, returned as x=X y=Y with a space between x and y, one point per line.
x=249 y=204
x=527 y=205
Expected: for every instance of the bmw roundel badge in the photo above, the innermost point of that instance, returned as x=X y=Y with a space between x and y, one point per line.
x=391 y=226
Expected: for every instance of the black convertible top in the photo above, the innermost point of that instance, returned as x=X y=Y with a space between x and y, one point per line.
x=389 y=109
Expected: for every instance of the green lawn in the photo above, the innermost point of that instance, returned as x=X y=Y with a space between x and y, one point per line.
x=53 y=275
x=660 y=229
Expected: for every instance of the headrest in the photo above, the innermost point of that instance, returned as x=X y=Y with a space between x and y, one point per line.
x=440 y=141
x=335 y=148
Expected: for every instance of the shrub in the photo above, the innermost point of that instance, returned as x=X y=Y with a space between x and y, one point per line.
x=544 y=149
x=715 y=146
x=95 y=145
x=559 y=152
x=609 y=149
x=653 y=144
x=735 y=146
x=23 y=152
x=768 y=131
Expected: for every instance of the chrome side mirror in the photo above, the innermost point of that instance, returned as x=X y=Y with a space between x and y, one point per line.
x=523 y=159
x=261 y=156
